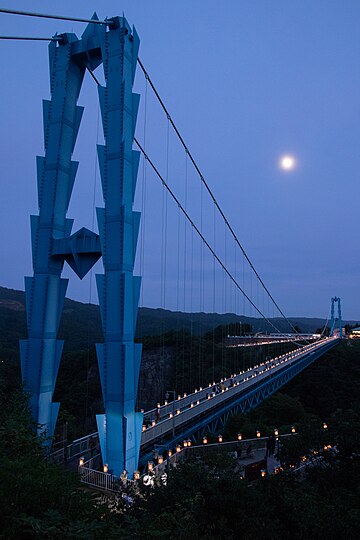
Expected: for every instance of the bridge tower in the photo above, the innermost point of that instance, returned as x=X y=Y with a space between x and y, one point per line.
x=338 y=319
x=115 y=45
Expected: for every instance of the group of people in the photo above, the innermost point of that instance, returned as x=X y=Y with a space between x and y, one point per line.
x=249 y=452
x=218 y=388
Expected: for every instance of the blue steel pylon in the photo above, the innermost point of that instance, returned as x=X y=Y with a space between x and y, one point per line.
x=338 y=320
x=53 y=244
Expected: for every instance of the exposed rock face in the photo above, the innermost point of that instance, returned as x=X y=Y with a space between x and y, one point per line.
x=156 y=371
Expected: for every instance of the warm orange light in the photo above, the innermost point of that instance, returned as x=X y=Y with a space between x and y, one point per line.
x=239 y=437
x=205 y=440
x=81 y=461
x=293 y=429
x=276 y=432
x=105 y=468
x=258 y=434
x=178 y=448
x=160 y=460
x=144 y=428
x=220 y=439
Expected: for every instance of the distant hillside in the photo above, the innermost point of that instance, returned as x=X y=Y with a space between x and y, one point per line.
x=180 y=354
x=81 y=326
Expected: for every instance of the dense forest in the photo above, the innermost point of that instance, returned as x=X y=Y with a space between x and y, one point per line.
x=181 y=351
x=206 y=499
x=202 y=498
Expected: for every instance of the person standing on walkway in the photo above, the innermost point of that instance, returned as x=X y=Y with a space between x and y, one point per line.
x=268 y=447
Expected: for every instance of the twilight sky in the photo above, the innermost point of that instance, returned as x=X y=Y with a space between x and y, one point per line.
x=246 y=82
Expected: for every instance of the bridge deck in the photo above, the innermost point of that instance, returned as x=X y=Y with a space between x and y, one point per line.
x=184 y=410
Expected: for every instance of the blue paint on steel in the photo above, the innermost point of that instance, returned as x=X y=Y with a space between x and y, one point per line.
x=247 y=400
x=118 y=290
x=53 y=242
x=336 y=300
x=45 y=291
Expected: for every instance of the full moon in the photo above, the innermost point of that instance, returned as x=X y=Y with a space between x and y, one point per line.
x=287 y=163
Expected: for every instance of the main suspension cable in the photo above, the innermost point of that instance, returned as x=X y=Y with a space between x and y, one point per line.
x=58 y=17
x=200 y=234
x=210 y=192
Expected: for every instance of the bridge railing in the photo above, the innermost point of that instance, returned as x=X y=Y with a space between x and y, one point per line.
x=98 y=479
x=79 y=447
x=186 y=411
x=193 y=404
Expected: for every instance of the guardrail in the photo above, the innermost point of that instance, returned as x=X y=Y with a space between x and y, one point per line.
x=79 y=447
x=197 y=402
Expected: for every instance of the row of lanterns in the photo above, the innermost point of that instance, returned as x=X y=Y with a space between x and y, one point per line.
x=239 y=437
x=187 y=443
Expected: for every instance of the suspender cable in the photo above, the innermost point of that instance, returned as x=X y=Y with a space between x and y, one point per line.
x=210 y=192
x=201 y=236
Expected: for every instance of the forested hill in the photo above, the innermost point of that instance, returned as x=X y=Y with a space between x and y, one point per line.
x=80 y=323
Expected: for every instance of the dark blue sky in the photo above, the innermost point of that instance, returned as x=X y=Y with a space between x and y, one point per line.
x=246 y=82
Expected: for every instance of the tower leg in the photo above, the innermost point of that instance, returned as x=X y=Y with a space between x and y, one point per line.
x=118 y=289
x=45 y=291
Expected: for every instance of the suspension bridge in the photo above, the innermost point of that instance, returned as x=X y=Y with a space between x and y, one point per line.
x=208 y=269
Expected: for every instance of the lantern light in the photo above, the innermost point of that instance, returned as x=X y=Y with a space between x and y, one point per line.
x=178 y=448
x=144 y=427
x=184 y=394
x=220 y=439
x=153 y=423
x=200 y=388
x=158 y=405
x=81 y=461
x=105 y=468
x=189 y=442
x=205 y=440
x=239 y=437
x=258 y=434
x=160 y=460
x=150 y=466
x=171 y=415
x=165 y=402
x=169 y=453
x=185 y=443
x=325 y=426
x=177 y=411
x=293 y=429
x=263 y=473
x=276 y=432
